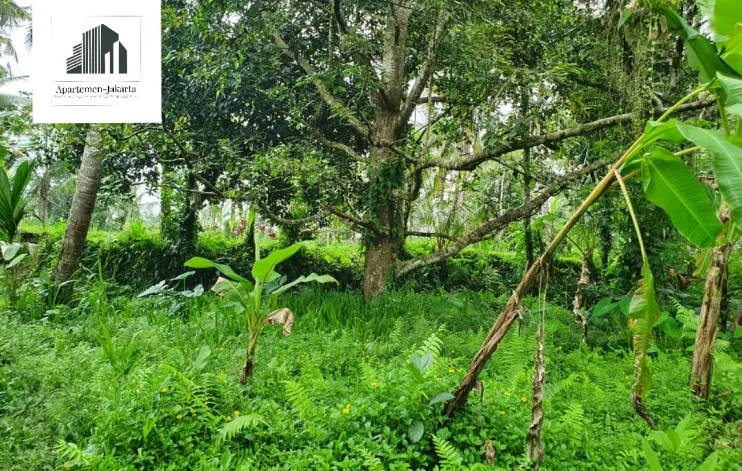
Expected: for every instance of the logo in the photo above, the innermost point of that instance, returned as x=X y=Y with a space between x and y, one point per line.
x=97 y=61
x=100 y=52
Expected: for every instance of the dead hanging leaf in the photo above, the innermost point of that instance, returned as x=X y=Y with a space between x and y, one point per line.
x=219 y=290
x=489 y=452
x=534 y=448
x=282 y=316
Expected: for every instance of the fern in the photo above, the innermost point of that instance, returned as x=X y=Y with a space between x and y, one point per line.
x=395 y=337
x=722 y=346
x=371 y=462
x=240 y=423
x=433 y=344
x=72 y=453
x=687 y=318
x=575 y=416
x=449 y=457
x=298 y=398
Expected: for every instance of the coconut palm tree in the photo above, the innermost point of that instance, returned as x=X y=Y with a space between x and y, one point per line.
x=11 y=16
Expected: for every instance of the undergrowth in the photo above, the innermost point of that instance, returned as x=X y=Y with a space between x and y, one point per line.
x=116 y=383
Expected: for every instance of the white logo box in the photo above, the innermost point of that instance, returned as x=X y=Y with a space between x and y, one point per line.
x=96 y=61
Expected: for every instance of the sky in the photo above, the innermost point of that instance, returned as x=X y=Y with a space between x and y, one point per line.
x=23 y=67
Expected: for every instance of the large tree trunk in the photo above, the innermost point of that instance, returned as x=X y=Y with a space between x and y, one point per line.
x=44 y=189
x=703 y=354
x=83 y=204
x=379 y=265
x=381 y=252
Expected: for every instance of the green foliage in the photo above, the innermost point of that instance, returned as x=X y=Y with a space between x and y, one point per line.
x=669 y=183
x=238 y=424
x=13 y=200
x=727 y=163
x=702 y=54
x=251 y=299
x=450 y=459
x=177 y=406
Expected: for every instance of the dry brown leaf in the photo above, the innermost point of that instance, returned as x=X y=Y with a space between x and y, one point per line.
x=219 y=280
x=489 y=452
x=282 y=316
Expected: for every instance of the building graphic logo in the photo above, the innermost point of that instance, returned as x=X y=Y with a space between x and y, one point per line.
x=100 y=52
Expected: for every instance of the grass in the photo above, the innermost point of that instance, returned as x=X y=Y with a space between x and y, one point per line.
x=118 y=383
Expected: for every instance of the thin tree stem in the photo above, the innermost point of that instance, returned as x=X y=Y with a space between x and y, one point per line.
x=723 y=114
x=677 y=105
x=634 y=219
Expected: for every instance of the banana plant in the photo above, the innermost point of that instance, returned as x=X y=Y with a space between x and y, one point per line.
x=13 y=201
x=253 y=298
x=13 y=208
x=708 y=218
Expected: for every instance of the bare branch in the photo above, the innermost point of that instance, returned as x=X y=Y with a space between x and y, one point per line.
x=499 y=222
x=328 y=97
x=469 y=162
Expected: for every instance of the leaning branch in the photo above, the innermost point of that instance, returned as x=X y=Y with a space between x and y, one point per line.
x=469 y=162
x=499 y=222
x=324 y=92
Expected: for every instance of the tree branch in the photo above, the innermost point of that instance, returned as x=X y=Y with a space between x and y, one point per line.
x=428 y=234
x=334 y=144
x=499 y=222
x=425 y=71
x=357 y=221
x=288 y=222
x=469 y=162
x=328 y=97
x=339 y=19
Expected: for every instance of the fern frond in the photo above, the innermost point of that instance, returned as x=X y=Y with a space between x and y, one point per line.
x=395 y=337
x=72 y=453
x=298 y=398
x=371 y=462
x=722 y=346
x=433 y=344
x=449 y=457
x=238 y=424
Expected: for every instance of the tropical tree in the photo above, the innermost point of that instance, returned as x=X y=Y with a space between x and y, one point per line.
x=11 y=16
x=83 y=204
